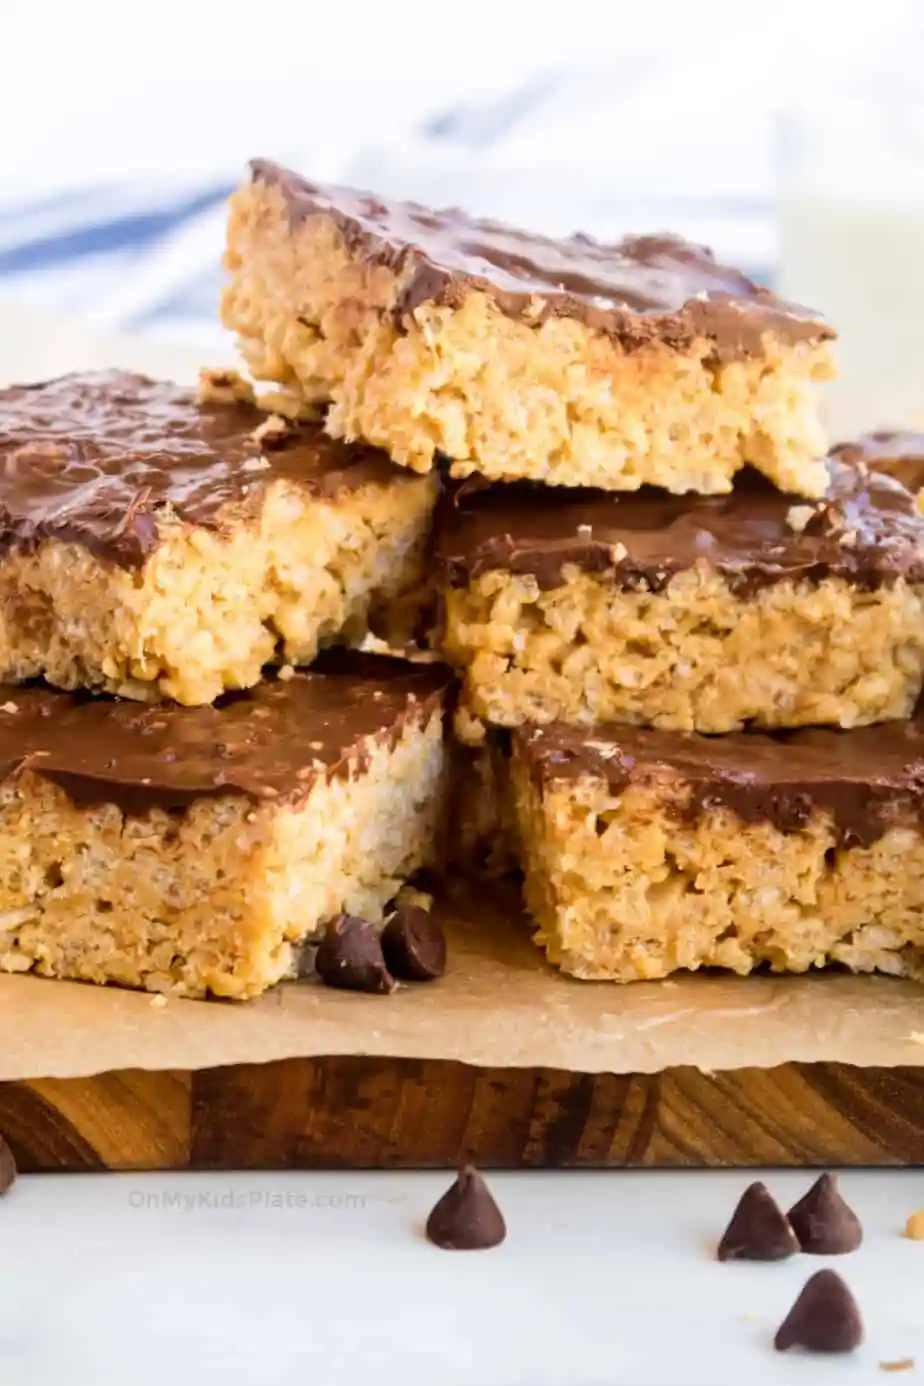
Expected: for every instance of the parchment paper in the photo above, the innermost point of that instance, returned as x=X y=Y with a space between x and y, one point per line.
x=500 y=1004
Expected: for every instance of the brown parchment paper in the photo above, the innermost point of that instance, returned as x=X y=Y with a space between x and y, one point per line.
x=499 y=1005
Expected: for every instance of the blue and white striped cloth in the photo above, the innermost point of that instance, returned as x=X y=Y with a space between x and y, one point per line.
x=614 y=119
x=144 y=256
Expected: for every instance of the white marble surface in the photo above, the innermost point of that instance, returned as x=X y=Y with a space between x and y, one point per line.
x=606 y=1279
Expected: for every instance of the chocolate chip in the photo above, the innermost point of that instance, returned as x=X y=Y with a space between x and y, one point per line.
x=759 y=1230
x=824 y=1318
x=823 y=1222
x=349 y=956
x=466 y=1218
x=414 y=945
x=7 y=1167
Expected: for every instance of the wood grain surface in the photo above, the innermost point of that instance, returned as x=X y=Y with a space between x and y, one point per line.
x=385 y=1113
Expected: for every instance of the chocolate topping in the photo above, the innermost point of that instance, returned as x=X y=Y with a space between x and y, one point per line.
x=866 y=531
x=898 y=454
x=466 y=1218
x=759 y=1229
x=640 y=290
x=824 y=1224
x=350 y=957
x=824 y=1318
x=414 y=945
x=274 y=740
x=7 y=1167
x=867 y=780
x=97 y=458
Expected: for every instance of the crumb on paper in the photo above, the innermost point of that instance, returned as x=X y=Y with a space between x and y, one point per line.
x=914 y=1227
x=374 y=644
x=9 y=707
x=286 y=673
x=604 y=749
x=223 y=387
x=158 y=1002
x=798 y=516
x=902 y=1364
x=272 y=430
x=917 y=1036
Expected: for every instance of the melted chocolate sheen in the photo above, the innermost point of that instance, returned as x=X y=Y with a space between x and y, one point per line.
x=867 y=530
x=93 y=458
x=641 y=289
x=898 y=454
x=273 y=741
x=867 y=779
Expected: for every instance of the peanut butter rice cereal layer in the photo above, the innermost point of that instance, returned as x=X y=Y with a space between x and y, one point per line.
x=646 y=852
x=153 y=543
x=702 y=613
x=191 y=850
x=517 y=356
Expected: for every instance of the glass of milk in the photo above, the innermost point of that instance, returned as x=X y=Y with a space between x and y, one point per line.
x=851 y=228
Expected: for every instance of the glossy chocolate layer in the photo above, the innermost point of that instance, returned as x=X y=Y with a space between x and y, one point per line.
x=640 y=290
x=96 y=458
x=866 y=779
x=273 y=741
x=866 y=531
x=898 y=454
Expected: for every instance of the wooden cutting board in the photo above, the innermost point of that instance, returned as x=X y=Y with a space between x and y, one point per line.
x=388 y=1113
x=765 y=1090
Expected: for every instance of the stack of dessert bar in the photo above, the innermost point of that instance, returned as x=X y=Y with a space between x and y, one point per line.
x=701 y=636
x=689 y=643
x=173 y=814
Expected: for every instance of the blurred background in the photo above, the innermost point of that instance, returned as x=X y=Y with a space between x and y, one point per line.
x=789 y=137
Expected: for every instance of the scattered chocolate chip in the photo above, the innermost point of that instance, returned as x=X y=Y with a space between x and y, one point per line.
x=7 y=1167
x=824 y=1318
x=823 y=1222
x=414 y=945
x=349 y=956
x=466 y=1218
x=759 y=1230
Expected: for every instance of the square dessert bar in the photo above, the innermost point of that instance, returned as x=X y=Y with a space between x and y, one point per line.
x=517 y=356
x=191 y=850
x=645 y=851
x=702 y=613
x=898 y=454
x=153 y=543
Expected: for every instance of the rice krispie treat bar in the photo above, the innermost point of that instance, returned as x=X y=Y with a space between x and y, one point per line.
x=898 y=454
x=156 y=544
x=701 y=613
x=517 y=356
x=645 y=852
x=191 y=850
